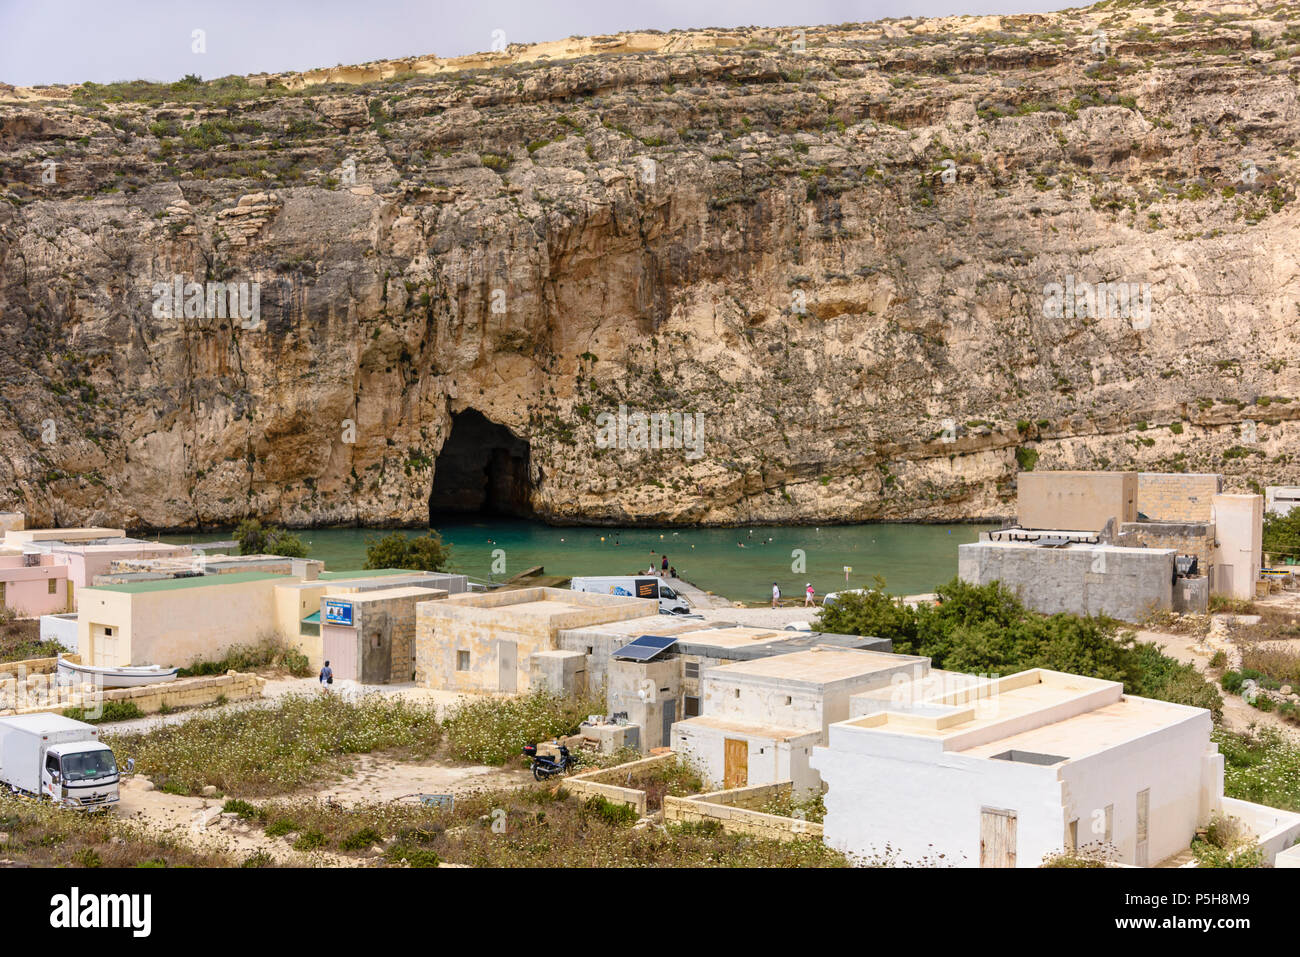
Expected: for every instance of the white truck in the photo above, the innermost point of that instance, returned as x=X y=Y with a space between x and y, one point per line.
x=53 y=758
x=635 y=586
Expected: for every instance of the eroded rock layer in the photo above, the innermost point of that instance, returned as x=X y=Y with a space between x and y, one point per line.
x=838 y=246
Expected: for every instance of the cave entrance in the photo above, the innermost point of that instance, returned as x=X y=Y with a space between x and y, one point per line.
x=482 y=468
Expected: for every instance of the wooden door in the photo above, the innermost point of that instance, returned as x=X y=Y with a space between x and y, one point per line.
x=997 y=837
x=507 y=667
x=735 y=767
x=1143 y=818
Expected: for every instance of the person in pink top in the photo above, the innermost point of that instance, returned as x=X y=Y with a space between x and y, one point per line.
x=808 y=596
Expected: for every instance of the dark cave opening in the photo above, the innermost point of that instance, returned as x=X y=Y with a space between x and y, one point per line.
x=482 y=468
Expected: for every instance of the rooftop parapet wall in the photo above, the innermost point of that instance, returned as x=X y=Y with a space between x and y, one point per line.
x=1075 y=500
x=1177 y=497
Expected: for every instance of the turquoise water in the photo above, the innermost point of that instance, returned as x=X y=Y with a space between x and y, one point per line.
x=911 y=558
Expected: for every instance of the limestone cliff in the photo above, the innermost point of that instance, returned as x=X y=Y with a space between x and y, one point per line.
x=833 y=244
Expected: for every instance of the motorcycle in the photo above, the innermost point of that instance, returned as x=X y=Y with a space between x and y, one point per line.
x=545 y=766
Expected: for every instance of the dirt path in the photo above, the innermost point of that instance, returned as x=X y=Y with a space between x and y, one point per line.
x=1237 y=715
x=199 y=822
x=380 y=779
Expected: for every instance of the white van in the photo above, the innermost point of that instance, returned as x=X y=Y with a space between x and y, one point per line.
x=635 y=586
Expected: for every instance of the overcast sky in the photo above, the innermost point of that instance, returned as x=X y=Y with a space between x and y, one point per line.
x=68 y=41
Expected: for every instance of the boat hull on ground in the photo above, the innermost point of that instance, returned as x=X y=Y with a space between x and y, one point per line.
x=70 y=673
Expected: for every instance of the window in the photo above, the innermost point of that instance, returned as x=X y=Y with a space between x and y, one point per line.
x=590 y=650
x=108 y=632
x=737 y=692
x=462 y=661
x=51 y=762
x=692 y=707
x=789 y=700
x=690 y=669
x=52 y=586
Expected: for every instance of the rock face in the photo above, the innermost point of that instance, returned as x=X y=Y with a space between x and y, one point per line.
x=856 y=256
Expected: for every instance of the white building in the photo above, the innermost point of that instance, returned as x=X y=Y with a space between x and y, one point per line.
x=761 y=719
x=1005 y=771
x=1280 y=499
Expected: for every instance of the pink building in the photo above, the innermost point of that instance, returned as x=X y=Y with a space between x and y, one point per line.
x=85 y=561
x=31 y=559
x=33 y=584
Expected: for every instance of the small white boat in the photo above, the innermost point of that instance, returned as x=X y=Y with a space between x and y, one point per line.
x=129 y=676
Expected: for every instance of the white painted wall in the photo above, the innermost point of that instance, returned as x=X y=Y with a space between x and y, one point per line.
x=1183 y=771
x=770 y=760
x=905 y=792
x=1238 y=523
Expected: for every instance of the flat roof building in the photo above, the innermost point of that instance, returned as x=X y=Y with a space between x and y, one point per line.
x=484 y=641
x=761 y=718
x=1003 y=772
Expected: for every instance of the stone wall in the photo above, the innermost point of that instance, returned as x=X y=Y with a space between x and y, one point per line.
x=734 y=810
x=1124 y=583
x=1177 y=496
x=40 y=693
x=1186 y=538
x=601 y=782
x=35 y=666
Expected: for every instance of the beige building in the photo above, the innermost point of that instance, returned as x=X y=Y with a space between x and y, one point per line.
x=484 y=641
x=1083 y=501
x=177 y=621
x=174 y=622
x=369 y=636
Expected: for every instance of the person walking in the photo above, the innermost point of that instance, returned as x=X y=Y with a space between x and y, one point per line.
x=808 y=594
x=776 y=595
x=326 y=677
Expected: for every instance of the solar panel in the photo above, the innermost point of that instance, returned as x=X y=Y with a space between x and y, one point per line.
x=644 y=647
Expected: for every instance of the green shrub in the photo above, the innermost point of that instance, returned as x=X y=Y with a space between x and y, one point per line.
x=1261 y=766
x=412 y=856
x=360 y=840
x=269 y=653
x=309 y=840
x=613 y=814
x=494 y=730
x=396 y=550
x=281 y=827
x=273 y=749
x=111 y=711
x=986 y=629
x=242 y=808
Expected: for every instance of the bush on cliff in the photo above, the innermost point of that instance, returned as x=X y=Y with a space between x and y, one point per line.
x=985 y=629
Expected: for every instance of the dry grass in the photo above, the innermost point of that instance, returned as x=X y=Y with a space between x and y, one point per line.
x=20 y=639
x=534 y=826
x=263 y=751
x=46 y=836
